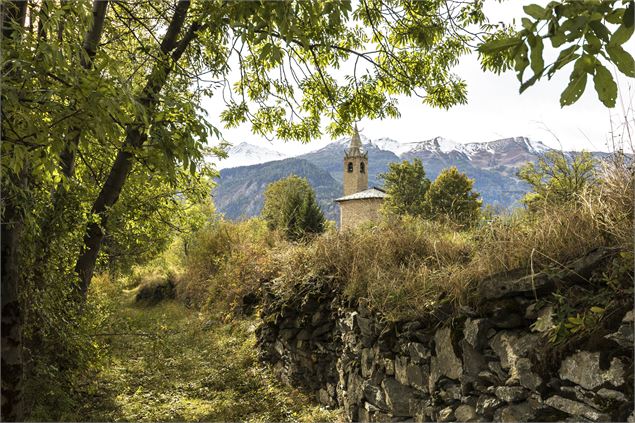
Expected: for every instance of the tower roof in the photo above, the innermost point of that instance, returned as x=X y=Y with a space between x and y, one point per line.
x=367 y=194
x=355 y=147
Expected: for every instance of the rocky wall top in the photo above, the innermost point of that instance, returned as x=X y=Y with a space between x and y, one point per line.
x=487 y=364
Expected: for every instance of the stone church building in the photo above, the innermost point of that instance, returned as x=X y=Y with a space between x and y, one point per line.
x=359 y=203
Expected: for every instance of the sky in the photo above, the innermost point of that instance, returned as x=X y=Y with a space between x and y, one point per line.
x=494 y=110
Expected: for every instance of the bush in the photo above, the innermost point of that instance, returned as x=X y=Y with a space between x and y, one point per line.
x=225 y=262
x=155 y=291
x=556 y=178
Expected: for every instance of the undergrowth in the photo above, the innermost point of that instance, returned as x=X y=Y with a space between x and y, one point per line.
x=170 y=363
x=406 y=267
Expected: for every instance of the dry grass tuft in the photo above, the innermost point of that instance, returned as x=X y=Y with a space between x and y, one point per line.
x=226 y=261
x=408 y=268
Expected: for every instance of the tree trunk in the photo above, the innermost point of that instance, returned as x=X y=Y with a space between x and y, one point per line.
x=12 y=17
x=12 y=363
x=135 y=137
x=91 y=41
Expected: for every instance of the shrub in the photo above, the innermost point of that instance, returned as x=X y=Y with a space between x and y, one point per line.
x=154 y=291
x=225 y=262
x=556 y=178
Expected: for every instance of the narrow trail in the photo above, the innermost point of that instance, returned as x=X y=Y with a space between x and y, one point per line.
x=168 y=363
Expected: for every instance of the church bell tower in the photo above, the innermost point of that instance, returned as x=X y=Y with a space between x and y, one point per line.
x=355 y=166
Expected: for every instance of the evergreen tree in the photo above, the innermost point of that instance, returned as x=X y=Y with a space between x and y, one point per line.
x=451 y=197
x=406 y=185
x=290 y=206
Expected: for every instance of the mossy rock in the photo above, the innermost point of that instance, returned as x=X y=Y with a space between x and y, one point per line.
x=154 y=292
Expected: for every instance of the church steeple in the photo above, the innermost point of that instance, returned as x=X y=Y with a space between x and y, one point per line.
x=355 y=166
x=355 y=148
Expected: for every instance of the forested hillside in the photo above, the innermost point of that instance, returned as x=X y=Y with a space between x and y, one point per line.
x=240 y=191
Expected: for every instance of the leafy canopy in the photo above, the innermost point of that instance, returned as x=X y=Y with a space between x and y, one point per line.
x=406 y=184
x=557 y=178
x=589 y=33
x=451 y=196
x=290 y=207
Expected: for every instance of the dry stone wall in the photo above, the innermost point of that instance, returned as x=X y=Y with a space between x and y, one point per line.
x=485 y=366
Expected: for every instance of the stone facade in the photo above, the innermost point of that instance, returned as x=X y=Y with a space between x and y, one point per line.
x=359 y=204
x=355 y=174
x=475 y=366
x=356 y=212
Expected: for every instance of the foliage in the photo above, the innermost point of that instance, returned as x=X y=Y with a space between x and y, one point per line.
x=226 y=262
x=556 y=178
x=571 y=314
x=591 y=33
x=171 y=363
x=398 y=47
x=451 y=197
x=290 y=207
x=406 y=184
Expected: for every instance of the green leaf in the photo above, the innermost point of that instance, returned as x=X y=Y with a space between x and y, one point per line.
x=622 y=59
x=593 y=43
x=605 y=85
x=629 y=15
x=527 y=24
x=537 y=62
x=600 y=30
x=565 y=57
x=574 y=90
x=558 y=39
x=536 y=11
x=597 y=310
x=495 y=46
x=622 y=35
x=575 y=320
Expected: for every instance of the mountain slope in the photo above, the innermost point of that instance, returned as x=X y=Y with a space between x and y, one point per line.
x=493 y=166
x=240 y=191
x=245 y=154
x=331 y=159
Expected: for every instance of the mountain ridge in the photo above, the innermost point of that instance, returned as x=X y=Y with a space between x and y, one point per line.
x=493 y=165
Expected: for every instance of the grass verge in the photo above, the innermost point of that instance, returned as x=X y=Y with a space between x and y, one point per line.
x=168 y=363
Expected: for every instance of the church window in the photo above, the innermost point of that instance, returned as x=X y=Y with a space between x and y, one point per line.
x=362 y=168
x=350 y=167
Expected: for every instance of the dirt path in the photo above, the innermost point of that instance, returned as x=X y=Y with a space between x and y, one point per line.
x=166 y=362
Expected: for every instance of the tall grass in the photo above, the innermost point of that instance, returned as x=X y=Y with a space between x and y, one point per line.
x=407 y=267
x=226 y=261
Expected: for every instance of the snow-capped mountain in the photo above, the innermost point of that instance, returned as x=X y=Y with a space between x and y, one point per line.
x=245 y=154
x=493 y=165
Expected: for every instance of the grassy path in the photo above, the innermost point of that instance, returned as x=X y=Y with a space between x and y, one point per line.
x=167 y=363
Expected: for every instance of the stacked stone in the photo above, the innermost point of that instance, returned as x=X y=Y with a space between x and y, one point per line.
x=485 y=366
x=298 y=339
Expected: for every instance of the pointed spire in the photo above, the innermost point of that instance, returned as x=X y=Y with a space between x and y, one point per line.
x=356 y=141
x=355 y=148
